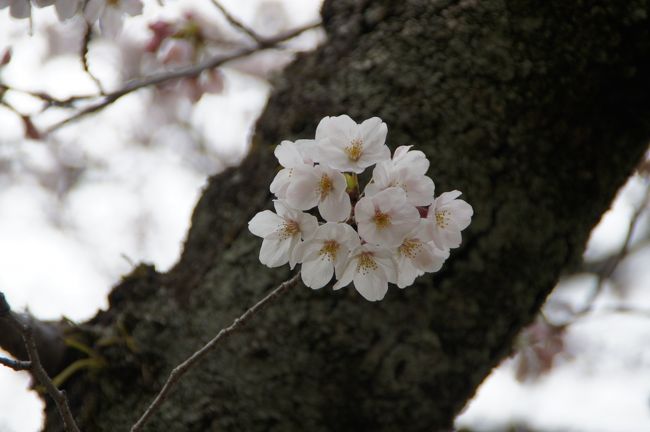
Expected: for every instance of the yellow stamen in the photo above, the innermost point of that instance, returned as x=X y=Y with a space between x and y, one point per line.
x=325 y=186
x=442 y=218
x=410 y=248
x=366 y=263
x=382 y=220
x=354 y=150
x=289 y=229
x=329 y=250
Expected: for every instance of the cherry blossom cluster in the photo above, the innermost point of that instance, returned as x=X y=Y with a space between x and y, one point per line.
x=392 y=231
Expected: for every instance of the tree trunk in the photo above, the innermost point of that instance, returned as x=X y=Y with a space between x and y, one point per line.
x=536 y=110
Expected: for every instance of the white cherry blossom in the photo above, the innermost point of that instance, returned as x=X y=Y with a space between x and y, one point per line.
x=385 y=218
x=417 y=255
x=281 y=232
x=370 y=267
x=326 y=252
x=415 y=160
x=447 y=217
x=407 y=170
x=321 y=186
x=347 y=146
x=290 y=155
x=110 y=14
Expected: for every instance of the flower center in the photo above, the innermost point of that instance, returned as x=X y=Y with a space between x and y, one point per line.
x=442 y=218
x=289 y=229
x=329 y=250
x=366 y=263
x=410 y=248
x=325 y=186
x=382 y=220
x=354 y=150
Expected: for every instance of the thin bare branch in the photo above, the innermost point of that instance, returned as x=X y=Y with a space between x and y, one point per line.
x=48 y=99
x=611 y=266
x=185 y=72
x=84 y=57
x=17 y=365
x=26 y=329
x=180 y=370
x=238 y=24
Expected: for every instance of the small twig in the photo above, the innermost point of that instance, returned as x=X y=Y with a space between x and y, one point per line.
x=48 y=99
x=17 y=365
x=186 y=72
x=34 y=364
x=178 y=372
x=84 y=57
x=609 y=269
x=238 y=24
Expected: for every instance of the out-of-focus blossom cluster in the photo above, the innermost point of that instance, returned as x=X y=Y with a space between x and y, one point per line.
x=108 y=13
x=183 y=43
x=392 y=232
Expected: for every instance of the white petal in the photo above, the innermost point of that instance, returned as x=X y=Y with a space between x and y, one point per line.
x=264 y=223
x=307 y=149
x=335 y=208
x=373 y=132
x=382 y=176
x=447 y=197
x=110 y=22
x=414 y=161
x=337 y=129
x=66 y=9
x=389 y=198
x=132 y=7
x=400 y=152
x=275 y=253
x=93 y=10
x=429 y=259
x=461 y=213
x=351 y=239
x=419 y=190
x=334 y=157
x=308 y=225
x=288 y=154
x=448 y=237
x=285 y=211
x=303 y=192
x=364 y=210
x=316 y=273
x=370 y=233
x=372 y=286
x=280 y=183
x=374 y=155
x=347 y=276
x=406 y=273
x=387 y=264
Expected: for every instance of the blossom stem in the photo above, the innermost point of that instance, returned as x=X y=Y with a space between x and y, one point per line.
x=180 y=370
x=356 y=185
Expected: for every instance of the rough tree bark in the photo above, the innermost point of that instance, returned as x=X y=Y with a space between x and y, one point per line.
x=536 y=110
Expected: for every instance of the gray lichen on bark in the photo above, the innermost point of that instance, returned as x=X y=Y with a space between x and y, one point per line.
x=536 y=110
